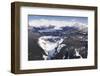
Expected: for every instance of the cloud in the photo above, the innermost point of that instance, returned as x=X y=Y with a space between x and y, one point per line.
x=57 y=23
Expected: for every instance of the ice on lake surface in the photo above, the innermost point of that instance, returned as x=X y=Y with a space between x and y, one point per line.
x=49 y=43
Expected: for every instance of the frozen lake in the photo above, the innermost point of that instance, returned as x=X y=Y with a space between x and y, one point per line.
x=49 y=43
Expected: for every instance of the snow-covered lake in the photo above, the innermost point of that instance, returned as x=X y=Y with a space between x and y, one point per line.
x=49 y=43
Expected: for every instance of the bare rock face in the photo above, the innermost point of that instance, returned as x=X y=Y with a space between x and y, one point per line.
x=35 y=52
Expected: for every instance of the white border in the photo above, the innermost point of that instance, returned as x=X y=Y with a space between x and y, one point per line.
x=25 y=64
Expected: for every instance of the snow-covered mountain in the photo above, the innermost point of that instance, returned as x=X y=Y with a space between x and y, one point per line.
x=50 y=27
x=50 y=36
x=61 y=30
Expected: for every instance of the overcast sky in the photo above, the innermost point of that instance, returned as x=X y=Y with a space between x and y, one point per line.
x=43 y=20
